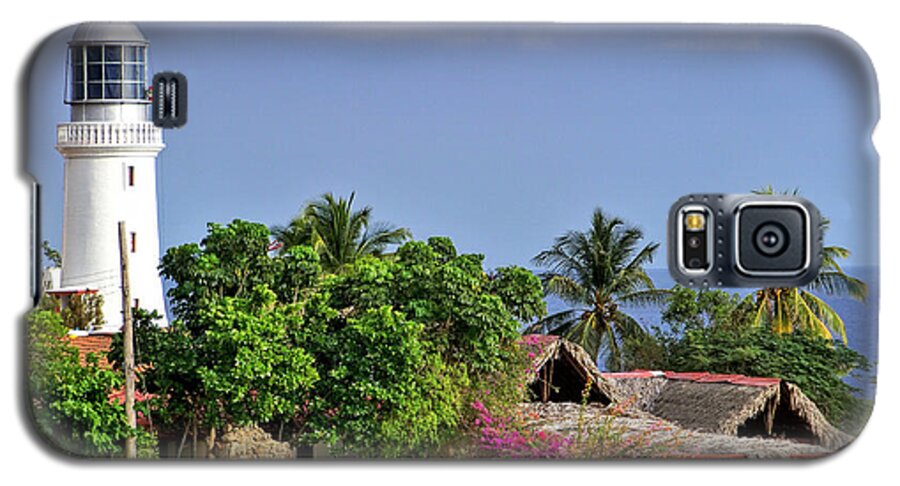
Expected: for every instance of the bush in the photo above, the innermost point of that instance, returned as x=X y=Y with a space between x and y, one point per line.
x=383 y=391
x=815 y=364
x=709 y=332
x=410 y=342
x=71 y=401
x=235 y=364
x=380 y=358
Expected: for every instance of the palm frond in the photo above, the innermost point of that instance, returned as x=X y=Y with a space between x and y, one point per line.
x=338 y=232
x=839 y=283
x=565 y=288
x=568 y=257
x=760 y=317
x=827 y=316
x=588 y=333
x=558 y=323
x=378 y=237
x=648 y=297
x=627 y=326
x=611 y=349
x=834 y=253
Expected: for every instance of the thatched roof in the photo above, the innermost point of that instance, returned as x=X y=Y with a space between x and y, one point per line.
x=561 y=370
x=799 y=404
x=729 y=404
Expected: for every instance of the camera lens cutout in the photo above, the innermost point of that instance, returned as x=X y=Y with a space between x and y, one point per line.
x=744 y=240
x=770 y=239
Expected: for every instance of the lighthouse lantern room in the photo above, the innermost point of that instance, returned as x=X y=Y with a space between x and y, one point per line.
x=110 y=148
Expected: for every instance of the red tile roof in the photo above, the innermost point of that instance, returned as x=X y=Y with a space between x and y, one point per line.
x=98 y=344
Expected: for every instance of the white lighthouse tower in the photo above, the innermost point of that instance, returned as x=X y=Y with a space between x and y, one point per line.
x=110 y=148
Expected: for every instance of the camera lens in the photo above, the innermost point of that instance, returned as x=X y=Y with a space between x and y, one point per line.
x=770 y=239
x=694 y=242
x=695 y=263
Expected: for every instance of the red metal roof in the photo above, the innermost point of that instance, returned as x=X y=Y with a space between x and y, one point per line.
x=630 y=374
x=698 y=377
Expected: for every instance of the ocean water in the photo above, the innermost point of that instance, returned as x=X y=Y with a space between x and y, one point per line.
x=860 y=319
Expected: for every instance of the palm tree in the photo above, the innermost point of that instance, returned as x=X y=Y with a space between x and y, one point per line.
x=789 y=308
x=596 y=271
x=337 y=232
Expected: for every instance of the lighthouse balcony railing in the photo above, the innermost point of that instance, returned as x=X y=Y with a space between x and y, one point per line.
x=99 y=133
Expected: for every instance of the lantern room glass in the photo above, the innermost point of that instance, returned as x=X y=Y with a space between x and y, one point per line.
x=107 y=72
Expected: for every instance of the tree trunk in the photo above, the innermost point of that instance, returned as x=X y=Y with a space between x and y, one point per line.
x=211 y=442
x=187 y=427
x=194 y=439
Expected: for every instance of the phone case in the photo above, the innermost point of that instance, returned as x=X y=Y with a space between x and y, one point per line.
x=286 y=241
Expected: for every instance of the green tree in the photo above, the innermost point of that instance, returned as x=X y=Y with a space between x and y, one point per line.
x=70 y=400
x=708 y=331
x=230 y=355
x=384 y=392
x=339 y=233
x=381 y=358
x=470 y=317
x=230 y=262
x=687 y=309
x=251 y=372
x=597 y=271
x=51 y=254
x=473 y=315
x=785 y=309
x=408 y=342
x=515 y=286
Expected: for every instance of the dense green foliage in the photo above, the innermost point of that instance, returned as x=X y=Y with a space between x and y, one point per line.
x=71 y=401
x=230 y=356
x=596 y=271
x=417 y=337
x=337 y=232
x=383 y=392
x=711 y=331
x=249 y=370
x=380 y=358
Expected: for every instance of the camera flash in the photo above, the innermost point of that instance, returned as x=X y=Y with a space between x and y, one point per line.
x=694 y=221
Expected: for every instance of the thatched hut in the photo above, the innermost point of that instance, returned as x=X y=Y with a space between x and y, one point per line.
x=561 y=371
x=729 y=404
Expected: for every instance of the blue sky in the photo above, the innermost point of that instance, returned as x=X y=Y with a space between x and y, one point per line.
x=500 y=137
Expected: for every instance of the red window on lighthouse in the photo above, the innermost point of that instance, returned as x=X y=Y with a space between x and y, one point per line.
x=130 y=176
x=133 y=242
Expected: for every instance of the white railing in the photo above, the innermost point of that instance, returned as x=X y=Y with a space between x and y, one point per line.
x=99 y=133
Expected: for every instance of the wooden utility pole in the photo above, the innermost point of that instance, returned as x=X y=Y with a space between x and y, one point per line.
x=128 y=338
